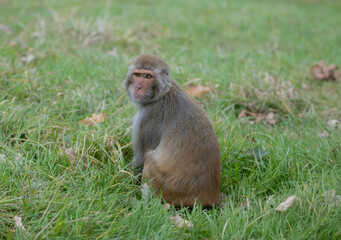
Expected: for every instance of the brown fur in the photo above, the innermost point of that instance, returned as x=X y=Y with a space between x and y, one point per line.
x=174 y=139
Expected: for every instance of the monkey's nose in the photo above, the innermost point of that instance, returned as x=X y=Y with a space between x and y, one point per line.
x=138 y=87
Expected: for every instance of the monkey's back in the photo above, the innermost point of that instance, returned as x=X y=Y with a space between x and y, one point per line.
x=188 y=155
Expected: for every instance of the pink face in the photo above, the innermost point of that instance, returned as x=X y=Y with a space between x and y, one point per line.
x=142 y=82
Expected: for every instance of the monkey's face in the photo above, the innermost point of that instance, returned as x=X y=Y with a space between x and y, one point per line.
x=147 y=80
x=141 y=85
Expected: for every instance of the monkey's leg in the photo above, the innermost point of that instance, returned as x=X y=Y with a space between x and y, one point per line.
x=150 y=172
x=163 y=185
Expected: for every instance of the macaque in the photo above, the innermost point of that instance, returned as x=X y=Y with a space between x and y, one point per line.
x=173 y=138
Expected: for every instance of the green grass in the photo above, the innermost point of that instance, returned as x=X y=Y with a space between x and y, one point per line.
x=74 y=182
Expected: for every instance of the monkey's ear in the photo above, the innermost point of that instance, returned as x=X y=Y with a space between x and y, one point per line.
x=165 y=71
x=165 y=77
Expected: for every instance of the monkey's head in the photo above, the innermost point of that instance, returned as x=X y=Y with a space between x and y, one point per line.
x=147 y=79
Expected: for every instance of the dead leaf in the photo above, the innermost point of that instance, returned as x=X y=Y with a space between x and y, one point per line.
x=246 y=113
x=95 y=118
x=286 y=204
x=255 y=117
x=166 y=206
x=70 y=153
x=198 y=90
x=336 y=75
x=5 y=29
x=323 y=134
x=28 y=59
x=74 y=157
x=98 y=117
x=19 y=157
x=334 y=123
x=180 y=222
x=270 y=118
x=331 y=197
x=60 y=94
x=86 y=121
x=18 y=222
x=323 y=73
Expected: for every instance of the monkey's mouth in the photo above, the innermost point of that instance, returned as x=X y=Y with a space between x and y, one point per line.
x=138 y=96
x=143 y=97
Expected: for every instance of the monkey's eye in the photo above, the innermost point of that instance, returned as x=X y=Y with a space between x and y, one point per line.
x=149 y=76
x=136 y=74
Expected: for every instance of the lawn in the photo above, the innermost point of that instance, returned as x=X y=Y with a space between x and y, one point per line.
x=62 y=61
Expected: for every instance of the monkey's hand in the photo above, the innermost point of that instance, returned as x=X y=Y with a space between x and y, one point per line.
x=137 y=166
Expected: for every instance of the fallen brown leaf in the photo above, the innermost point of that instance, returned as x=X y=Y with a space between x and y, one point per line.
x=18 y=222
x=304 y=86
x=74 y=157
x=198 y=90
x=166 y=206
x=269 y=118
x=70 y=154
x=95 y=118
x=180 y=222
x=323 y=73
x=334 y=123
x=286 y=204
x=28 y=59
x=5 y=29
x=98 y=117
x=246 y=113
x=323 y=134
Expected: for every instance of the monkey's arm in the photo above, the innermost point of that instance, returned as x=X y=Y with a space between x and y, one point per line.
x=146 y=135
x=137 y=163
x=138 y=160
x=138 y=144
